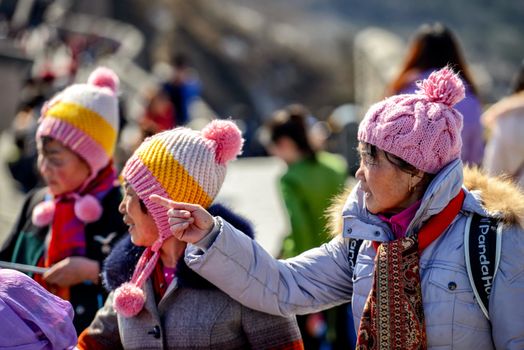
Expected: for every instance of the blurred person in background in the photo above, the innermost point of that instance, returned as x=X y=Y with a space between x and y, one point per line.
x=32 y=318
x=312 y=179
x=156 y=300
x=69 y=226
x=159 y=114
x=182 y=88
x=505 y=122
x=435 y=46
x=21 y=161
x=343 y=123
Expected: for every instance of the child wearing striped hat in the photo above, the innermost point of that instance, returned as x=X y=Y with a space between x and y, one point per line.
x=156 y=300
x=67 y=228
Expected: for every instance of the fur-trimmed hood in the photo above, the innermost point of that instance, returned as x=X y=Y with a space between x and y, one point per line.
x=118 y=267
x=499 y=197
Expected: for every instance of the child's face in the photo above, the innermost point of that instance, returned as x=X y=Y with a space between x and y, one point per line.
x=63 y=170
x=142 y=227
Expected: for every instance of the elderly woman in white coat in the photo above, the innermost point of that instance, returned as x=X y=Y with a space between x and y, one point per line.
x=408 y=285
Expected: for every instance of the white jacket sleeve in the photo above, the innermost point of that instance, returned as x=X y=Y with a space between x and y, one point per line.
x=315 y=280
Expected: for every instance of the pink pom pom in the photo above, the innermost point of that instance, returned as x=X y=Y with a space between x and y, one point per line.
x=43 y=213
x=443 y=86
x=88 y=209
x=227 y=137
x=104 y=77
x=129 y=300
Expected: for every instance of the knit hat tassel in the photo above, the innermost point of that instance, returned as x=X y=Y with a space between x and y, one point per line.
x=129 y=297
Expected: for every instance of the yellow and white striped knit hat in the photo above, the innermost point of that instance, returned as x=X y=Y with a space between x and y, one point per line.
x=181 y=164
x=84 y=117
x=184 y=165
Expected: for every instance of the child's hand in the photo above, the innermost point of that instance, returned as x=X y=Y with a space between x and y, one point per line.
x=188 y=222
x=72 y=271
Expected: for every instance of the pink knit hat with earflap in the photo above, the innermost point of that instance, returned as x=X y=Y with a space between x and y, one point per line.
x=84 y=118
x=181 y=164
x=422 y=128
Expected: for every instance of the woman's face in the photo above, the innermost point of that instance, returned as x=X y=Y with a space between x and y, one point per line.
x=62 y=169
x=386 y=186
x=142 y=227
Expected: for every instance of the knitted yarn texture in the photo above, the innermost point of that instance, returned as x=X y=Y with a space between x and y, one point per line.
x=181 y=164
x=421 y=128
x=84 y=117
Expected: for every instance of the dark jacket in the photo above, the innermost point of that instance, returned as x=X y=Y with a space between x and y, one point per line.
x=192 y=314
x=26 y=242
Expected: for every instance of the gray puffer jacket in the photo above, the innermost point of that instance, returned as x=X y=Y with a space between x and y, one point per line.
x=320 y=278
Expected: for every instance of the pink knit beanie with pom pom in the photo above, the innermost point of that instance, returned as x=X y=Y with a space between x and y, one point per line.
x=84 y=118
x=422 y=128
x=181 y=164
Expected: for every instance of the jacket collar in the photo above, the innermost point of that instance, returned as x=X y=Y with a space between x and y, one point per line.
x=445 y=186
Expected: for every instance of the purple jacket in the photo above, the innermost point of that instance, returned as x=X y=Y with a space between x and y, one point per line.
x=32 y=318
x=472 y=131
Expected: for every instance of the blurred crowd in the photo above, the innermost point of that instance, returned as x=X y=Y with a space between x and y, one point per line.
x=320 y=153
